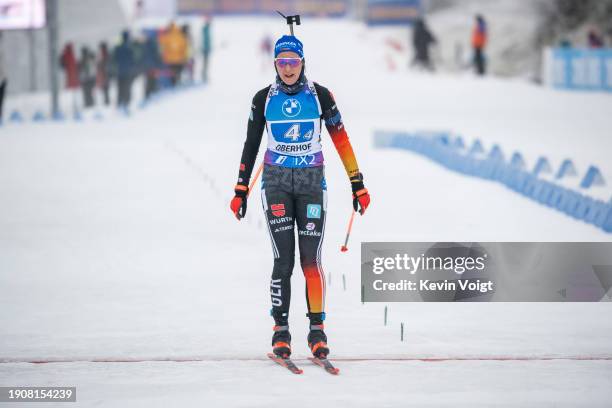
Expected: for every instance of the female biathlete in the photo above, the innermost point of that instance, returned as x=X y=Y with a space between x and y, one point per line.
x=293 y=186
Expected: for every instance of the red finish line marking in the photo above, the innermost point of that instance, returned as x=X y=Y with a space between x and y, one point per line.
x=339 y=359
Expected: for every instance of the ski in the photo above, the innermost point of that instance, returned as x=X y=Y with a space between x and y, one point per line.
x=285 y=362
x=325 y=364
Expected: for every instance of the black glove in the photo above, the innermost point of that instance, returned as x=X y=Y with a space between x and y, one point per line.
x=361 y=197
x=239 y=202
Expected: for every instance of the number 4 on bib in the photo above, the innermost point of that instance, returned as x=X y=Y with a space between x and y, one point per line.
x=293 y=132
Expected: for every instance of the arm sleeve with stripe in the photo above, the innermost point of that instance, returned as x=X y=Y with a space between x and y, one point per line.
x=255 y=128
x=337 y=131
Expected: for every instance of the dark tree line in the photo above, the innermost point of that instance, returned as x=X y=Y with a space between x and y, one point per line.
x=564 y=16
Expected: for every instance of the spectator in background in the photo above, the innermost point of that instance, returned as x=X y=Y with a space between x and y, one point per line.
x=422 y=39
x=173 y=46
x=206 y=48
x=104 y=72
x=68 y=62
x=595 y=40
x=265 y=47
x=3 y=78
x=137 y=44
x=265 y=50
x=479 y=41
x=125 y=63
x=87 y=75
x=151 y=63
x=189 y=61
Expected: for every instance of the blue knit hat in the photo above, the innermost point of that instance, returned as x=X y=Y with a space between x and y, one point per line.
x=289 y=43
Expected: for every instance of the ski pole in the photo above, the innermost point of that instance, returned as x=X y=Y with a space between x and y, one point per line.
x=259 y=169
x=344 y=247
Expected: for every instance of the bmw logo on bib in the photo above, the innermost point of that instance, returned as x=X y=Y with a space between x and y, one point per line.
x=291 y=107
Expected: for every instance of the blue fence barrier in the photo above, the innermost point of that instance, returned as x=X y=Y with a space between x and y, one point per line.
x=443 y=149
x=579 y=69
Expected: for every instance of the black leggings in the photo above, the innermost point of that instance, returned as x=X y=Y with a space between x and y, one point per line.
x=480 y=61
x=124 y=95
x=290 y=197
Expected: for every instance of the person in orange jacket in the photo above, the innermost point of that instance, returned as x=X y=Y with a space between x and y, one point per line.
x=479 y=41
x=174 y=50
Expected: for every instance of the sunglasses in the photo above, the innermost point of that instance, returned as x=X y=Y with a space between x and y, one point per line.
x=292 y=62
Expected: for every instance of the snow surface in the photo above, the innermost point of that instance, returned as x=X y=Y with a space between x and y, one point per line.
x=116 y=243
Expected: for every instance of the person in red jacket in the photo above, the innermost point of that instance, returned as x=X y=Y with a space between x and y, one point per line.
x=69 y=63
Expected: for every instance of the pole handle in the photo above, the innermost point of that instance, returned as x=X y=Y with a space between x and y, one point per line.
x=259 y=169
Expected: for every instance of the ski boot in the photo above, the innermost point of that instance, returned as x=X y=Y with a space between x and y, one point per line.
x=317 y=341
x=281 y=341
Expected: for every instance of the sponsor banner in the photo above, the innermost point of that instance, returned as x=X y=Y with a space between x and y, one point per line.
x=381 y=12
x=22 y=14
x=315 y=8
x=486 y=272
x=578 y=69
